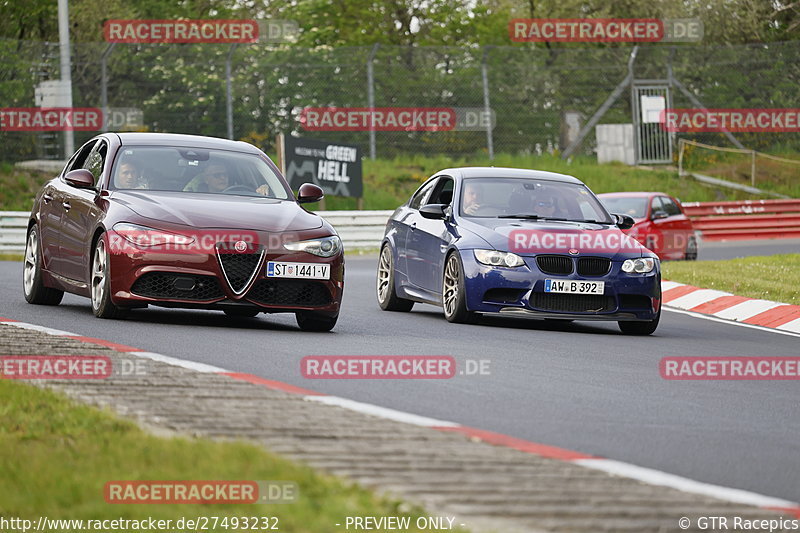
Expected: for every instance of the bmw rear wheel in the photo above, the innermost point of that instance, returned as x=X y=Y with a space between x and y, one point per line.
x=100 y=281
x=454 y=294
x=387 y=295
x=34 y=289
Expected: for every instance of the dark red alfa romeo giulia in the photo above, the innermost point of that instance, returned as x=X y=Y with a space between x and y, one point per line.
x=138 y=219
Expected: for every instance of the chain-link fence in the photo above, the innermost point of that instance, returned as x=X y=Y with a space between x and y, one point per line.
x=185 y=88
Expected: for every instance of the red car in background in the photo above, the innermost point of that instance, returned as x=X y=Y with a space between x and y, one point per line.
x=660 y=224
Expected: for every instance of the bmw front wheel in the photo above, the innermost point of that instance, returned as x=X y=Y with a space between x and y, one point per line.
x=454 y=294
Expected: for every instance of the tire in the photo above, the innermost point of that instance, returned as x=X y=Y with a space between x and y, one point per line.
x=310 y=321
x=32 y=285
x=640 y=327
x=236 y=312
x=384 y=284
x=100 y=283
x=454 y=294
x=691 y=250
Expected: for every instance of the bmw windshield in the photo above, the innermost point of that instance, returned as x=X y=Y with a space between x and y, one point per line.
x=531 y=199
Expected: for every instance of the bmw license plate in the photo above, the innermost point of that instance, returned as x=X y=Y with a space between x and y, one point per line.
x=574 y=286
x=276 y=269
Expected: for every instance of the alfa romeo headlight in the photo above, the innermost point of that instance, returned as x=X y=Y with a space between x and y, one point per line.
x=145 y=236
x=642 y=265
x=324 y=247
x=498 y=259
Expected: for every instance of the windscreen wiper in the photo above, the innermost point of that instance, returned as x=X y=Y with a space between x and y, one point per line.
x=573 y=220
x=529 y=217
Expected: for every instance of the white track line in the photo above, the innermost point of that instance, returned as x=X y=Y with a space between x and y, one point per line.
x=382 y=412
x=191 y=365
x=733 y=322
x=657 y=477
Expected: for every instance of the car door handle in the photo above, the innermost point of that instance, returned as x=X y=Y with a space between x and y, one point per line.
x=47 y=198
x=66 y=206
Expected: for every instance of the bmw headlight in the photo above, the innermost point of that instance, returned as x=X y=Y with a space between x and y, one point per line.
x=643 y=265
x=145 y=236
x=324 y=247
x=498 y=259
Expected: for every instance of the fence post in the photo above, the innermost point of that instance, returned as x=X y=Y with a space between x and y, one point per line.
x=487 y=109
x=371 y=98
x=104 y=83
x=229 y=91
x=753 y=168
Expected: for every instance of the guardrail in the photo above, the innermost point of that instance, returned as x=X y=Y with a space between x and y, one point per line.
x=358 y=229
x=13 y=226
x=748 y=219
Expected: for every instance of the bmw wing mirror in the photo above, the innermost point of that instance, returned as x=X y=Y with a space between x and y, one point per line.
x=433 y=211
x=623 y=221
x=80 y=178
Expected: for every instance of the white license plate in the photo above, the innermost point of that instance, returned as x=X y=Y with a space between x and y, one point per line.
x=276 y=269
x=570 y=286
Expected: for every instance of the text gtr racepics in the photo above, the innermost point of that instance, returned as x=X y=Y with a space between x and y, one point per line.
x=519 y=243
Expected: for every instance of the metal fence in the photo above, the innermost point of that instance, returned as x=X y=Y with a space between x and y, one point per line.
x=253 y=92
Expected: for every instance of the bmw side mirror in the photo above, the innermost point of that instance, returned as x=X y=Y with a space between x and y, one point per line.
x=80 y=178
x=309 y=193
x=624 y=221
x=433 y=211
x=657 y=215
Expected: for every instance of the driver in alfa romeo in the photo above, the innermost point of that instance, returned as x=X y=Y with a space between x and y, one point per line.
x=216 y=179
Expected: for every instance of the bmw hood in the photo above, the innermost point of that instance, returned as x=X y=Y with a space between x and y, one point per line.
x=525 y=237
x=200 y=210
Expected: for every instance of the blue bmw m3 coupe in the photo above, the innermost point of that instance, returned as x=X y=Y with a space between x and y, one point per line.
x=520 y=243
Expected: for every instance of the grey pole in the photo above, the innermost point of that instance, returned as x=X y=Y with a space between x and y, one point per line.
x=487 y=108
x=66 y=69
x=104 y=83
x=371 y=98
x=603 y=108
x=229 y=91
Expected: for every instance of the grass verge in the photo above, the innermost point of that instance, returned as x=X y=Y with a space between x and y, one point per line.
x=774 y=277
x=56 y=456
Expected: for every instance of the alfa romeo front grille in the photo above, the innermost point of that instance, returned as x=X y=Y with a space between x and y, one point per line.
x=239 y=266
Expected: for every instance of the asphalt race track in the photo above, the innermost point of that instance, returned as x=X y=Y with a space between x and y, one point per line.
x=581 y=386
